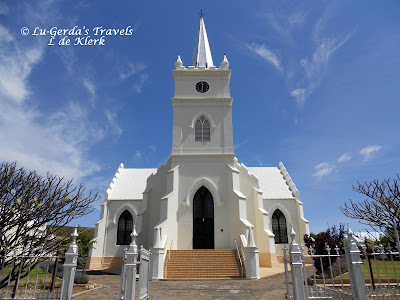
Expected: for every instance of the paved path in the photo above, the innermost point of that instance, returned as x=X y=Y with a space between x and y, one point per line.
x=272 y=287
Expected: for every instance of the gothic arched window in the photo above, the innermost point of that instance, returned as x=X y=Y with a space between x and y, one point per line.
x=202 y=130
x=279 y=227
x=125 y=228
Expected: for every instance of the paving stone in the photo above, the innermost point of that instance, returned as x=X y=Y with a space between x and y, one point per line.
x=272 y=287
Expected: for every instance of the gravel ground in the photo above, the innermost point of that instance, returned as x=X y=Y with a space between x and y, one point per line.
x=272 y=287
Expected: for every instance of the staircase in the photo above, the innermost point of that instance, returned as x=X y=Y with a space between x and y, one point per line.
x=201 y=264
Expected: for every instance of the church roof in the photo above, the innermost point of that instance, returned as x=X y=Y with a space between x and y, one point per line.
x=272 y=183
x=202 y=53
x=129 y=184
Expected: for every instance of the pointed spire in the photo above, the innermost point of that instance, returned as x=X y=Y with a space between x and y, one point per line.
x=178 y=63
x=202 y=53
x=224 y=64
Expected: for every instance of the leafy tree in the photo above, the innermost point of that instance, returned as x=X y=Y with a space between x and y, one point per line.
x=316 y=243
x=33 y=210
x=381 y=209
x=85 y=242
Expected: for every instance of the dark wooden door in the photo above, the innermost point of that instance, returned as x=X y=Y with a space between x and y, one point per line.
x=203 y=219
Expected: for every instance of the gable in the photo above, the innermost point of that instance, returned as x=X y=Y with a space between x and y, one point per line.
x=272 y=183
x=130 y=184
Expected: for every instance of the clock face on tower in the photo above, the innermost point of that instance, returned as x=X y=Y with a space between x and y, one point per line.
x=202 y=86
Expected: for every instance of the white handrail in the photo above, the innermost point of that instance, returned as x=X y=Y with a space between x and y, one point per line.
x=240 y=260
x=169 y=257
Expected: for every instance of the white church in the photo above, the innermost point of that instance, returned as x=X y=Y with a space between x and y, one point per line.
x=203 y=199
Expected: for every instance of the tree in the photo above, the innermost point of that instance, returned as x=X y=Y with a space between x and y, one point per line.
x=33 y=209
x=332 y=237
x=382 y=207
x=85 y=242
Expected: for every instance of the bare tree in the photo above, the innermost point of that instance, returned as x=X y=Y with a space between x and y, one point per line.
x=33 y=209
x=382 y=207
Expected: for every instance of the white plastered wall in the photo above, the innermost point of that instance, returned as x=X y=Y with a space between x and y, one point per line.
x=116 y=208
x=189 y=105
x=193 y=174
x=289 y=210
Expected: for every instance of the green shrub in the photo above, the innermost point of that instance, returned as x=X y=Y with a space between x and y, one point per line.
x=82 y=279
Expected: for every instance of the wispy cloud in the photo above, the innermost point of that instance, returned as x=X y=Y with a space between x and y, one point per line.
x=315 y=67
x=135 y=73
x=264 y=53
x=344 y=157
x=326 y=168
x=138 y=85
x=89 y=85
x=369 y=151
x=3 y=8
x=79 y=71
x=240 y=144
x=112 y=120
x=305 y=76
x=16 y=64
x=56 y=143
x=137 y=155
x=300 y=95
x=323 y=169
x=56 y=140
x=131 y=69
x=286 y=24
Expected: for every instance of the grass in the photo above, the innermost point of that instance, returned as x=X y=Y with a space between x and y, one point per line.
x=35 y=272
x=381 y=269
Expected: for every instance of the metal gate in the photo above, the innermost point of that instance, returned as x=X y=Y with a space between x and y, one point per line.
x=350 y=275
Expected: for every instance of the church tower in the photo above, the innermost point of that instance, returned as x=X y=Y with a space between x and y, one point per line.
x=202 y=200
x=202 y=103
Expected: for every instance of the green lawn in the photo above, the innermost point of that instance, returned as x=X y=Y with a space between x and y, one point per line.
x=35 y=272
x=381 y=269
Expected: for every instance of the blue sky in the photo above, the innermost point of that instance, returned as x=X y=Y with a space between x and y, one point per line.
x=315 y=85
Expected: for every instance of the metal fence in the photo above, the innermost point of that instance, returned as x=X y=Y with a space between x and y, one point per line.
x=354 y=274
x=144 y=273
x=30 y=277
x=37 y=277
x=129 y=271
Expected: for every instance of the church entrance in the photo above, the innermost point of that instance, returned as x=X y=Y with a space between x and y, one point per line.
x=203 y=219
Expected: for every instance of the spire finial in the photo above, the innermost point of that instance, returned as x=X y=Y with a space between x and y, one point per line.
x=134 y=235
x=224 y=64
x=74 y=235
x=202 y=54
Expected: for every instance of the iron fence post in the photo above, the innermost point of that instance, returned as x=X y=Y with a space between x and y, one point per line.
x=71 y=258
x=296 y=268
x=355 y=268
x=122 y=287
x=396 y=235
x=285 y=261
x=128 y=286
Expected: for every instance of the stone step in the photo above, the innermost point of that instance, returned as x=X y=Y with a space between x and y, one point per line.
x=202 y=263
x=200 y=268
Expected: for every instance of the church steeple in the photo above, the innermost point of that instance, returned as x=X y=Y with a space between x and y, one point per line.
x=202 y=53
x=202 y=104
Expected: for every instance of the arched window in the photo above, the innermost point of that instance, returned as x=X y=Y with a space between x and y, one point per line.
x=202 y=130
x=125 y=228
x=279 y=227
